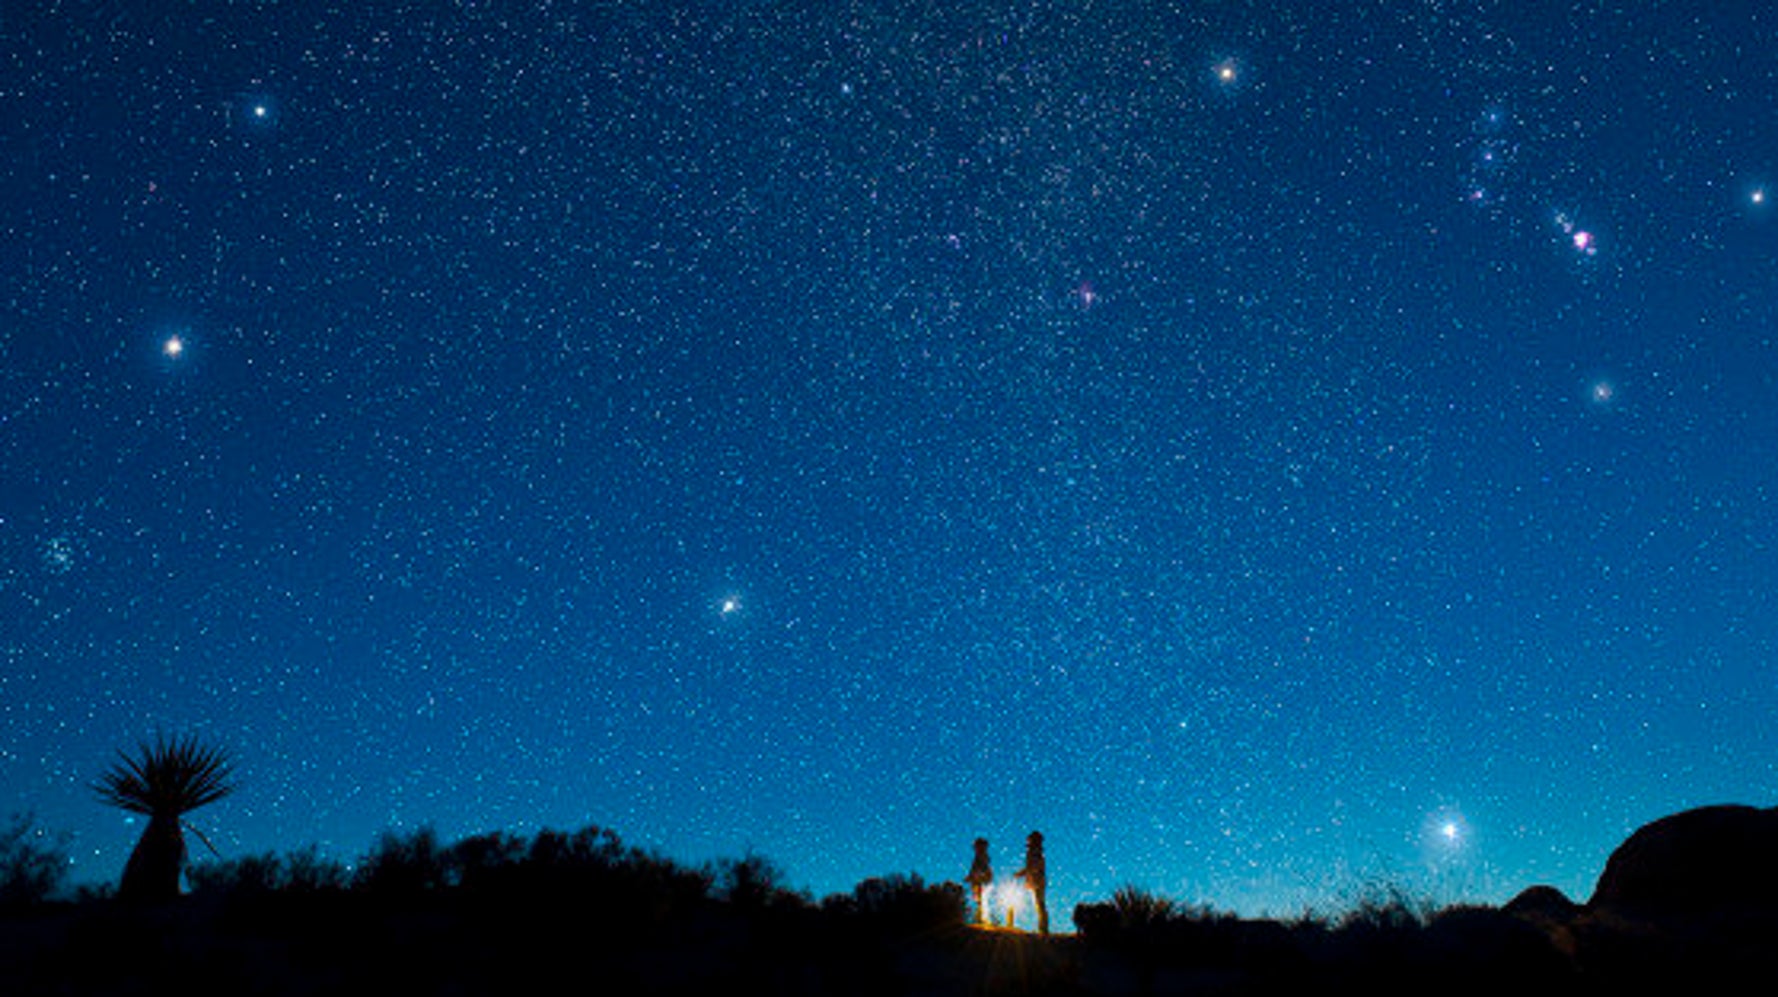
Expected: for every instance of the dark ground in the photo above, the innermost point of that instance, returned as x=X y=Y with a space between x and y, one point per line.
x=454 y=944
x=1686 y=904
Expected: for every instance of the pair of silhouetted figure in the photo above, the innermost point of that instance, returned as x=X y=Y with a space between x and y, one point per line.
x=1033 y=875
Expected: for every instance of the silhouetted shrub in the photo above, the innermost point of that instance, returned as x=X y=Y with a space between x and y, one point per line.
x=1095 y=922
x=95 y=893
x=485 y=862
x=33 y=863
x=303 y=871
x=1137 y=908
x=1381 y=940
x=244 y=876
x=649 y=889
x=1133 y=912
x=1131 y=921
x=1386 y=907
x=754 y=882
x=405 y=866
x=308 y=871
x=906 y=903
x=589 y=853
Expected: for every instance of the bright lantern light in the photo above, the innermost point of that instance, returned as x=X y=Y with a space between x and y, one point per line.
x=1006 y=900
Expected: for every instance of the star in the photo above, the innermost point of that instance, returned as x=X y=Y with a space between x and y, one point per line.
x=1445 y=834
x=173 y=347
x=1602 y=392
x=257 y=110
x=729 y=606
x=1227 y=72
x=1584 y=241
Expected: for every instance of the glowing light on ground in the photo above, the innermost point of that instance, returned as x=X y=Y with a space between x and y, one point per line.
x=1006 y=902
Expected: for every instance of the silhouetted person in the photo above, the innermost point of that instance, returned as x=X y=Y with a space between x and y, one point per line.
x=1037 y=879
x=980 y=875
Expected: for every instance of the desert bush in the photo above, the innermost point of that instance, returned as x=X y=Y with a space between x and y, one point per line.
x=907 y=902
x=308 y=871
x=1133 y=911
x=1137 y=908
x=33 y=863
x=410 y=865
x=1380 y=935
x=584 y=878
x=247 y=875
x=303 y=871
x=580 y=858
x=485 y=861
x=753 y=882
x=1386 y=907
x=588 y=875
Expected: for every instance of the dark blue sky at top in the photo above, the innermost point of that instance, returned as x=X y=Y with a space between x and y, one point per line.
x=1240 y=440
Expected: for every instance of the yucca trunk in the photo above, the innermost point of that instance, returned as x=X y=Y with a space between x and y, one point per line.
x=152 y=872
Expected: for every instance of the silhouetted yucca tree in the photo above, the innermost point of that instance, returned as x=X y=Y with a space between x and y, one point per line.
x=163 y=781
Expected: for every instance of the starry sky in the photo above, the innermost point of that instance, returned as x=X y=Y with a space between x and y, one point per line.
x=1271 y=448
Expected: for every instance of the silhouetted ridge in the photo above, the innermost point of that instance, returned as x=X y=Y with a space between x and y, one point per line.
x=1687 y=904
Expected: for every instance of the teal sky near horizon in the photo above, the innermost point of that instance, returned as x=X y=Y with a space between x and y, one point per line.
x=1273 y=449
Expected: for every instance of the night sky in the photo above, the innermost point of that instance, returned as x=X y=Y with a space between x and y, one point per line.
x=1271 y=448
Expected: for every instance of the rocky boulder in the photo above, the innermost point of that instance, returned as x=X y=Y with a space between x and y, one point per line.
x=1543 y=903
x=1719 y=858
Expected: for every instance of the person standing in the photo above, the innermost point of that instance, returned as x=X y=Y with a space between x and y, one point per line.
x=981 y=873
x=1036 y=878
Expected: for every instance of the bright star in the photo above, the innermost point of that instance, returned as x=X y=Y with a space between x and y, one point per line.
x=1444 y=835
x=173 y=346
x=730 y=605
x=256 y=109
x=1584 y=241
x=1601 y=391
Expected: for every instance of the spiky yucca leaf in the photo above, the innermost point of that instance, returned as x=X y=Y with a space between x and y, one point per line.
x=167 y=778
